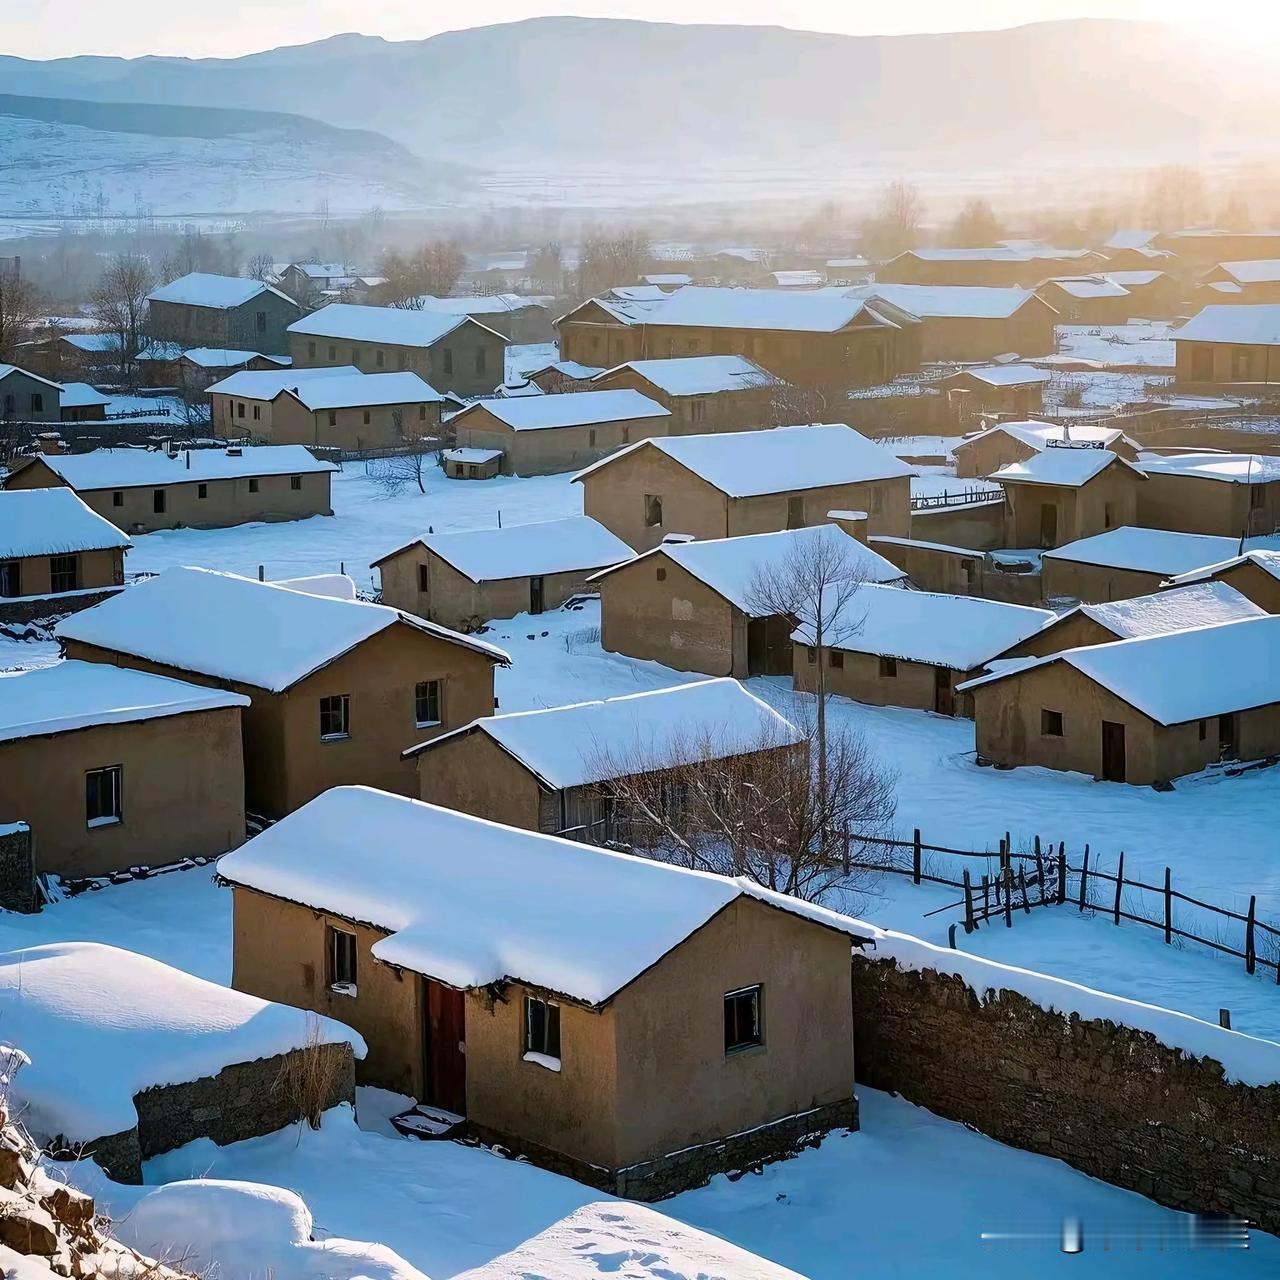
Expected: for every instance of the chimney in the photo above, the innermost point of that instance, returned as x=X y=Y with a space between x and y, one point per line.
x=854 y=523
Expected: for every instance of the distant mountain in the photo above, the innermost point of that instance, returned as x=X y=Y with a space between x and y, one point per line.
x=550 y=95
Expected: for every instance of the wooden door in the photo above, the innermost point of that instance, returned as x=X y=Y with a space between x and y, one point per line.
x=1113 y=751
x=944 y=700
x=1048 y=524
x=535 y=595
x=444 y=1047
x=1228 y=746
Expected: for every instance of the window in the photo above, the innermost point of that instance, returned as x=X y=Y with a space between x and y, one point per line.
x=889 y=668
x=333 y=417
x=811 y=655
x=342 y=961
x=257 y=413
x=422 y=413
x=661 y=575
x=446 y=361
x=333 y=352
x=295 y=483
x=835 y=658
x=366 y=417
x=102 y=797
x=202 y=491
x=1203 y=728
x=480 y=357
x=541 y=1029
x=1239 y=364
x=260 y=321
x=742 y=1026
x=697 y=411
x=335 y=716
x=1050 y=723
x=64 y=573
x=253 y=484
x=380 y=358
x=10 y=578
x=117 y=499
x=424 y=578
x=1257 y=496
x=37 y=402
x=239 y=408
x=311 y=351
x=1108 y=515
x=795 y=513
x=426 y=702
x=652 y=510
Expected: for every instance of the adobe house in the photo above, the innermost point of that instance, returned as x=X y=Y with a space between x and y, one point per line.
x=1231 y=494
x=471 y=464
x=1197 y=249
x=1001 y=388
x=354 y=412
x=563 y=375
x=1096 y=299
x=702 y=393
x=546 y=434
x=602 y=333
x=200 y=367
x=79 y=402
x=1255 y=575
x=693 y=605
x=1142 y=711
x=465 y=579
x=1253 y=280
x=892 y=647
x=992 y=266
x=520 y=990
x=203 y=310
x=732 y=483
x=1153 y=292
x=241 y=403
x=27 y=397
x=1066 y=493
x=517 y=318
x=114 y=769
x=986 y=452
x=451 y=352
x=1200 y=604
x=550 y=770
x=356 y=685
x=1127 y=562
x=1230 y=342
x=147 y=489
x=52 y=544
x=176 y=1058
x=308 y=282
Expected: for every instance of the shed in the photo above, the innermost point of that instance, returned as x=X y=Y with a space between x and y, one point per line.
x=1229 y=494
x=471 y=464
x=1254 y=573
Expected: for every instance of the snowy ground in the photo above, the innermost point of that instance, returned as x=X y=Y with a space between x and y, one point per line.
x=1145 y=343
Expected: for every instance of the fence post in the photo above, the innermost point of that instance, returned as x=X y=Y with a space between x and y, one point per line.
x=1168 y=905
x=1119 y=886
x=1084 y=880
x=1026 y=904
x=915 y=856
x=951 y=935
x=1224 y=1018
x=1062 y=873
x=968 y=903
x=1008 y=897
x=986 y=896
x=1249 y=957
x=1040 y=870
x=262 y=573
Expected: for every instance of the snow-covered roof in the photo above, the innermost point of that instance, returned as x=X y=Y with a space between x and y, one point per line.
x=52 y=522
x=1257 y=324
x=1148 y=550
x=489 y=304
x=1229 y=468
x=744 y=464
x=320 y=270
x=591 y=741
x=101 y=1024
x=847 y=262
x=568 y=409
x=699 y=375
x=1090 y=287
x=960 y=632
x=1131 y=278
x=472 y=455
x=800 y=311
x=524 y=550
x=1202 y=604
x=391 y=325
x=255 y=633
x=1006 y=375
x=77 y=695
x=803 y=279
x=1180 y=676
x=131 y=468
x=1042 y=435
x=471 y=902
x=1130 y=239
x=80 y=395
x=1066 y=466
x=200 y=289
x=339 y=586
x=667 y=278
x=1267 y=561
x=973 y=302
x=216 y=358
x=569 y=369
x=362 y=390
x=100 y=343
x=266 y=384
x=732 y=567
x=1253 y=270
x=1010 y=251
x=7 y=369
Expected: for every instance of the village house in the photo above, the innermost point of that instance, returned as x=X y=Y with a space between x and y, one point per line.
x=451 y=352
x=519 y=319
x=142 y=490
x=1065 y=493
x=695 y=606
x=471 y=464
x=166 y=364
x=996 y=266
x=545 y=434
x=1197 y=249
x=1231 y=494
x=27 y=397
x=999 y=388
x=465 y=579
x=355 y=685
x=1154 y=292
x=564 y=375
x=201 y=310
x=732 y=483
x=895 y=648
x=551 y=770
x=1254 y=574
x=79 y=402
x=114 y=769
x=240 y=404
x=1007 y=443
x=308 y=283
x=53 y=544
x=822 y=337
x=1098 y=299
x=1230 y=342
x=518 y=984
x=1253 y=280
x=1127 y=562
x=1143 y=711
x=351 y=412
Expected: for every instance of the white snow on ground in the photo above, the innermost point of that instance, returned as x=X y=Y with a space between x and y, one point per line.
x=1148 y=343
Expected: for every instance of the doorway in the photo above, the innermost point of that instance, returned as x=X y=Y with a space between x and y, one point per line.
x=535 y=595
x=769 y=646
x=944 y=698
x=1228 y=738
x=444 y=1060
x=1048 y=525
x=1112 y=752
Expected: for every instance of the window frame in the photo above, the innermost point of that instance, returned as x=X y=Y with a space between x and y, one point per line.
x=542 y=1043
x=253 y=484
x=732 y=1020
x=159 y=502
x=341 y=959
x=117 y=498
x=114 y=817
x=888 y=668
x=62 y=569
x=295 y=484
x=1052 y=723
x=652 y=505
x=343 y=708
x=428 y=691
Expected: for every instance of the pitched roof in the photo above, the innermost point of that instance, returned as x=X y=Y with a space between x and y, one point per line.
x=1179 y=676
x=488 y=304
x=731 y=567
x=524 y=550
x=567 y=409
x=1040 y=435
x=1147 y=550
x=255 y=633
x=1063 y=465
x=391 y=325
x=7 y=369
x=216 y=358
x=363 y=389
x=1130 y=239
x=590 y=741
x=975 y=302
x=1090 y=286
x=699 y=375
x=130 y=468
x=811 y=311
x=1202 y=604
x=80 y=395
x=266 y=384
x=1228 y=468
x=77 y=695
x=1257 y=324
x=52 y=522
x=200 y=289
x=1253 y=270
x=1006 y=375
x=515 y=906
x=1267 y=561
x=745 y=464
x=1024 y=251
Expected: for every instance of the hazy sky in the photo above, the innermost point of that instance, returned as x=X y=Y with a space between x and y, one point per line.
x=57 y=28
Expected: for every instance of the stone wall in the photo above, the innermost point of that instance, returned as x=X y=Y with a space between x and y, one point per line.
x=26 y=609
x=17 y=868
x=1110 y=1100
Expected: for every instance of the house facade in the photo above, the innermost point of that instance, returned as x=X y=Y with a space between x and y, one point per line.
x=202 y=310
x=1228 y=494
x=1255 y=575
x=1230 y=342
x=1006 y=443
x=27 y=397
x=702 y=393
x=1064 y=494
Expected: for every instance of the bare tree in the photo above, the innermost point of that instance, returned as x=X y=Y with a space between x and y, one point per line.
x=546 y=268
x=409 y=466
x=119 y=306
x=608 y=261
x=1175 y=197
x=793 y=404
x=260 y=267
x=19 y=312
x=974 y=227
x=432 y=268
x=894 y=227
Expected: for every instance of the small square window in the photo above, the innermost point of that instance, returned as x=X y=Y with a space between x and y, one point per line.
x=335 y=716
x=1050 y=723
x=102 y=806
x=422 y=413
x=117 y=499
x=37 y=402
x=64 y=573
x=424 y=579
x=541 y=1028
x=253 y=484
x=743 y=1028
x=835 y=658
x=202 y=491
x=426 y=702
x=889 y=668
x=295 y=483
x=342 y=961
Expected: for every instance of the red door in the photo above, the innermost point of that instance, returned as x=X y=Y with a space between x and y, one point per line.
x=444 y=1047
